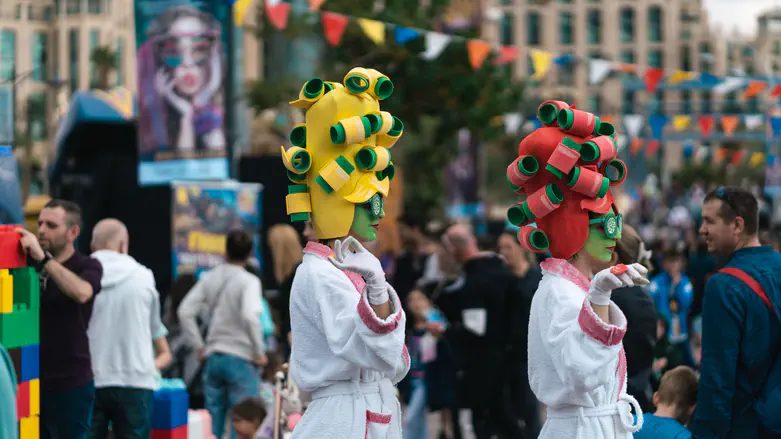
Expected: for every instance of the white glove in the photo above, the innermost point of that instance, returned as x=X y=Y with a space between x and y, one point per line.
x=617 y=276
x=362 y=262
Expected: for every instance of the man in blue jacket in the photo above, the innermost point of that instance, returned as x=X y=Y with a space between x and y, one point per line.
x=741 y=336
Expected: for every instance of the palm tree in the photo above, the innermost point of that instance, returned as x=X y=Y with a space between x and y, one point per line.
x=104 y=60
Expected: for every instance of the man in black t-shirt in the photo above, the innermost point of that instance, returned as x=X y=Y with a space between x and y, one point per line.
x=69 y=282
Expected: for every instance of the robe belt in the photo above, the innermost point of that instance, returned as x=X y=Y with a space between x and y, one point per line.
x=621 y=410
x=384 y=387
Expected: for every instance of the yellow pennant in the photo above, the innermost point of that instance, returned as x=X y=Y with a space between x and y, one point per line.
x=120 y=99
x=756 y=159
x=541 y=61
x=681 y=122
x=681 y=76
x=240 y=10
x=373 y=29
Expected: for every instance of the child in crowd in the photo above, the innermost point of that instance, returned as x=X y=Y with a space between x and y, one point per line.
x=248 y=415
x=675 y=402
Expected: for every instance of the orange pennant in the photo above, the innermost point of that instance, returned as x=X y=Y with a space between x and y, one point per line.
x=776 y=92
x=636 y=146
x=315 y=4
x=720 y=154
x=754 y=88
x=506 y=54
x=626 y=68
x=729 y=124
x=478 y=52
x=651 y=148
x=652 y=77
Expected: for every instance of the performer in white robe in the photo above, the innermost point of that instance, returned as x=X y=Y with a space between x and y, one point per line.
x=347 y=323
x=577 y=365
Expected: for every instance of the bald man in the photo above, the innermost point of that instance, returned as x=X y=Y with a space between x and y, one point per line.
x=125 y=325
x=482 y=334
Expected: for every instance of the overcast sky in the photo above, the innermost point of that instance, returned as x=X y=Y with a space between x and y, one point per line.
x=740 y=13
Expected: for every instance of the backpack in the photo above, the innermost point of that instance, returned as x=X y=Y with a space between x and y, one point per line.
x=768 y=404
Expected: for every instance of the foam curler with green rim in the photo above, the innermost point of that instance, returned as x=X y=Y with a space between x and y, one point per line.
x=615 y=171
x=548 y=112
x=563 y=158
x=357 y=80
x=522 y=169
x=577 y=122
x=588 y=182
x=533 y=239
x=351 y=130
x=298 y=135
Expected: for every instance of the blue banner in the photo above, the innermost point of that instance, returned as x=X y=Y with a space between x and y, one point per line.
x=181 y=90
x=203 y=214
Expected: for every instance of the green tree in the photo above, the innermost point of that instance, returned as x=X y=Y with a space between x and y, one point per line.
x=104 y=61
x=434 y=99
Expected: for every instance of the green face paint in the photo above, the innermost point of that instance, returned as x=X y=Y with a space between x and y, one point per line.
x=367 y=218
x=599 y=245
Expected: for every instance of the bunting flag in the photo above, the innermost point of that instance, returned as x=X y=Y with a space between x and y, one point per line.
x=512 y=122
x=333 y=27
x=403 y=35
x=737 y=157
x=541 y=61
x=755 y=88
x=652 y=147
x=507 y=54
x=636 y=145
x=621 y=143
x=315 y=5
x=688 y=151
x=756 y=159
x=701 y=154
x=681 y=122
x=729 y=123
x=652 y=77
x=373 y=29
x=706 y=125
x=598 y=69
x=278 y=14
x=435 y=44
x=478 y=52
x=729 y=85
x=633 y=123
x=754 y=121
x=657 y=122
x=719 y=155
x=240 y=9
x=776 y=92
x=775 y=125
x=680 y=76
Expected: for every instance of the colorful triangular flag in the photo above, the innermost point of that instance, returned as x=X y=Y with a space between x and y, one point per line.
x=315 y=5
x=435 y=44
x=633 y=123
x=681 y=76
x=652 y=77
x=402 y=35
x=652 y=147
x=240 y=9
x=636 y=145
x=776 y=92
x=507 y=54
x=478 y=52
x=512 y=122
x=729 y=84
x=754 y=88
x=598 y=69
x=706 y=125
x=729 y=123
x=278 y=14
x=333 y=26
x=753 y=121
x=373 y=29
x=541 y=61
x=756 y=159
x=657 y=123
x=681 y=122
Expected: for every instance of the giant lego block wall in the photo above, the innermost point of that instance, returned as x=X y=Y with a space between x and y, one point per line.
x=20 y=299
x=169 y=420
x=199 y=425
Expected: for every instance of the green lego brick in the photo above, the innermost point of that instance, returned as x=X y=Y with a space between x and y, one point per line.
x=20 y=328
x=26 y=287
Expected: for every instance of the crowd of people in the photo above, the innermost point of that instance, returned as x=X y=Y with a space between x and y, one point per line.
x=699 y=344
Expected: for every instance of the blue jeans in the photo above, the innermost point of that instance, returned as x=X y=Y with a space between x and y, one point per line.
x=66 y=414
x=128 y=410
x=226 y=381
x=416 y=424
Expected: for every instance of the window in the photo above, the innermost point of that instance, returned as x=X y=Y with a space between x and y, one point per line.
x=750 y=71
x=594 y=103
x=73 y=59
x=94 y=6
x=655 y=25
x=508 y=30
x=628 y=102
x=594 y=27
x=655 y=58
x=686 y=35
x=119 y=54
x=706 y=103
x=747 y=51
x=777 y=47
x=94 y=42
x=40 y=48
x=686 y=58
x=73 y=7
x=56 y=56
x=30 y=15
x=7 y=55
x=565 y=2
x=533 y=29
x=48 y=13
x=18 y=13
x=627 y=25
x=686 y=105
x=36 y=112
x=57 y=7
x=565 y=27
x=566 y=73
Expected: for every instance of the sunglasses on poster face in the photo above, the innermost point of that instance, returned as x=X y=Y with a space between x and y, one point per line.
x=374 y=206
x=172 y=50
x=611 y=223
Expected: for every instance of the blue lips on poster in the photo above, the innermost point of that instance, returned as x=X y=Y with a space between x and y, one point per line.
x=181 y=93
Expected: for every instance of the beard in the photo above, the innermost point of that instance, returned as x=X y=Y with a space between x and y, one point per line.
x=54 y=246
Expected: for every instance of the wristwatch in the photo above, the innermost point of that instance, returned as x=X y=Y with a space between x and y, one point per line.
x=46 y=258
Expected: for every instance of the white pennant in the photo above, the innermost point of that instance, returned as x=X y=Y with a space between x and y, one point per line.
x=622 y=142
x=754 y=121
x=512 y=122
x=435 y=44
x=633 y=124
x=598 y=69
x=730 y=83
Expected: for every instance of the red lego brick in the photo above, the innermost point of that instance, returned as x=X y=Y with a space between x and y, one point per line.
x=23 y=400
x=176 y=433
x=11 y=253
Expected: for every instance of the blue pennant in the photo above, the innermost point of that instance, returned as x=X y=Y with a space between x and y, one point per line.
x=688 y=151
x=657 y=122
x=775 y=125
x=404 y=34
x=708 y=79
x=564 y=60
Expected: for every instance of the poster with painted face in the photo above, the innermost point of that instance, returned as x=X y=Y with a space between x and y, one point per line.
x=181 y=93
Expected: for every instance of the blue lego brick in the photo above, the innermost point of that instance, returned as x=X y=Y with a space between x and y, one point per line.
x=170 y=409
x=31 y=357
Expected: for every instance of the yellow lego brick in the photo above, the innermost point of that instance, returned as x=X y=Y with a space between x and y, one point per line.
x=29 y=428
x=6 y=292
x=35 y=397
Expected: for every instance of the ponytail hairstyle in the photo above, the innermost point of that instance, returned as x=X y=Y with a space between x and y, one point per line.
x=631 y=249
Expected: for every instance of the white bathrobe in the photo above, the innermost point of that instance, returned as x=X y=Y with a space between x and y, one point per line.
x=343 y=355
x=577 y=365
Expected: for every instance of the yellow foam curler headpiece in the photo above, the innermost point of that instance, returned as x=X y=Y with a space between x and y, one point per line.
x=339 y=157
